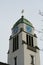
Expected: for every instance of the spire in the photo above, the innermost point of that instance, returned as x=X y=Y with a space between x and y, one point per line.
x=22 y=11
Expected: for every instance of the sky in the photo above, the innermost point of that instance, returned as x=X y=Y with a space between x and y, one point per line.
x=10 y=12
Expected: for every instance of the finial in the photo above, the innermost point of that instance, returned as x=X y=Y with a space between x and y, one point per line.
x=22 y=11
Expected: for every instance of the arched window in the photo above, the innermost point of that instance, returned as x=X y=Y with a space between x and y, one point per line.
x=29 y=40
x=15 y=43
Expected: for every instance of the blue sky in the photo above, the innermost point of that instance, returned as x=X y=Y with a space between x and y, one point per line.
x=10 y=12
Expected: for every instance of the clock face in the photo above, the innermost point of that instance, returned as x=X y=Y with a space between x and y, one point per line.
x=15 y=30
x=28 y=28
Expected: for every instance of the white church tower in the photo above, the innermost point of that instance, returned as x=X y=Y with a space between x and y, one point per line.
x=23 y=49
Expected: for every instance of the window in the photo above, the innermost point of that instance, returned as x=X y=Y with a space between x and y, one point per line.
x=15 y=43
x=29 y=40
x=15 y=59
x=32 y=59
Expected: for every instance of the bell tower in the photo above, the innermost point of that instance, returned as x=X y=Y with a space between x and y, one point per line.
x=23 y=49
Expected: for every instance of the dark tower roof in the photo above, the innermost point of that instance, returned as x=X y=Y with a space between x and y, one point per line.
x=23 y=20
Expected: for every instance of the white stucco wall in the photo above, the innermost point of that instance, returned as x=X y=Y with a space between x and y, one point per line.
x=28 y=53
x=27 y=56
x=20 y=57
x=18 y=53
x=35 y=41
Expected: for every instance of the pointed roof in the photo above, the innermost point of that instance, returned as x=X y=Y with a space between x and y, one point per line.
x=23 y=20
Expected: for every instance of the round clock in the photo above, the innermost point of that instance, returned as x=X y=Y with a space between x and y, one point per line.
x=28 y=28
x=15 y=30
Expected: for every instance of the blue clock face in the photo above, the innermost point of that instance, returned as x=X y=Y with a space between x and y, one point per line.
x=28 y=28
x=15 y=30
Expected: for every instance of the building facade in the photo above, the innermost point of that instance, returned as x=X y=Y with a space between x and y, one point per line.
x=23 y=48
x=1 y=63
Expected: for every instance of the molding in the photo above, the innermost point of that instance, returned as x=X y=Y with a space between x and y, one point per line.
x=37 y=47
x=31 y=48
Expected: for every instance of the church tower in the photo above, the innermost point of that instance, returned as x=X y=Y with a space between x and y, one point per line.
x=23 y=49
